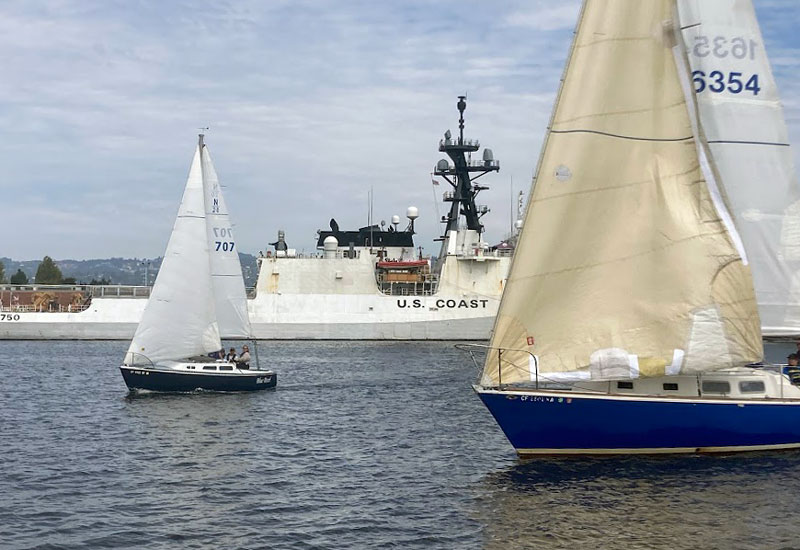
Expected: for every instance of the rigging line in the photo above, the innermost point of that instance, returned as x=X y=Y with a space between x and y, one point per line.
x=776 y=144
x=690 y=26
x=633 y=138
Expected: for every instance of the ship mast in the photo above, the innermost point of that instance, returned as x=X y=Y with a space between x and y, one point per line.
x=458 y=175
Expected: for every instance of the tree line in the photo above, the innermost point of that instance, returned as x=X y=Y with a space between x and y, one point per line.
x=47 y=273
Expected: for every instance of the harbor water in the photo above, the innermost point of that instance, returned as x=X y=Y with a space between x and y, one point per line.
x=363 y=445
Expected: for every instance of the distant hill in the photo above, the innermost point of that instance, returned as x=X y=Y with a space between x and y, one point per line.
x=124 y=271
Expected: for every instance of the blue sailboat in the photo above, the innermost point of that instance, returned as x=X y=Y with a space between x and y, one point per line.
x=659 y=246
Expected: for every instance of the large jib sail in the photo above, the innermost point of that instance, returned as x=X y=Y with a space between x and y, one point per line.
x=226 y=270
x=625 y=265
x=179 y=320
x=743 y=121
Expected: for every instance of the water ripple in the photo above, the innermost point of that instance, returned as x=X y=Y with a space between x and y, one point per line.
x=363 y=445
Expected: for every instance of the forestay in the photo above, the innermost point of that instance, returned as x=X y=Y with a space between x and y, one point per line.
x=624 y=267
x=226 y=271
x=179 y=320
x=743 y=122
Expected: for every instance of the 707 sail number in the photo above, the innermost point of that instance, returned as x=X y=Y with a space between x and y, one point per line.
x=718 y=82
x=223 y=232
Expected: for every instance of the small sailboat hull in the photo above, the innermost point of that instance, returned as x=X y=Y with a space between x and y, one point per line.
x=567 y=423
x=169 y=380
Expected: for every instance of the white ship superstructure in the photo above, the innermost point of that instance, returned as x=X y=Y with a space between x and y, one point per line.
x=369 y=284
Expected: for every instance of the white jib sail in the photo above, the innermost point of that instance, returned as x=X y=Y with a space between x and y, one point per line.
x=625 y=266
x=230 y=297
x=179 y=320
x=743 y=121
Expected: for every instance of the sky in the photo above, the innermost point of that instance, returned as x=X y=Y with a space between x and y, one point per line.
x=309 y=105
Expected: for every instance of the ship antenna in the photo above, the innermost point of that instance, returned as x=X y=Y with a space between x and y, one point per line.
x=462 y=105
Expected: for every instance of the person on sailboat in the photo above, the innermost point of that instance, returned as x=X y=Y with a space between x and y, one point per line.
x=792 y=370
x=232 y=357
x=243 y=361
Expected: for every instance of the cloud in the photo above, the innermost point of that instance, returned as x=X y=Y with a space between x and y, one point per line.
x=545 y=16
x=310 y=105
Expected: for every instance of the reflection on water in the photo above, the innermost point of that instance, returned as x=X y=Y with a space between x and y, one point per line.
x=742 y=501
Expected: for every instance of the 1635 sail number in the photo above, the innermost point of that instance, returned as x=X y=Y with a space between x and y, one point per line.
x=718 y=82
x=722 y=47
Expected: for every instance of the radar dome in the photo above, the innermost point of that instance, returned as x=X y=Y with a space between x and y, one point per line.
x=395 y=219
x=329 y=246
x=412 y=213
x=442 y=165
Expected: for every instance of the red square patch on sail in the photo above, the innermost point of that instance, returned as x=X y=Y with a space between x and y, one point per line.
x=530 y=340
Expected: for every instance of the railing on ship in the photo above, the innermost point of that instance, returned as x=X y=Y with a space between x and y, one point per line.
x=426 y=286
x=13 y=297
x=51 y=298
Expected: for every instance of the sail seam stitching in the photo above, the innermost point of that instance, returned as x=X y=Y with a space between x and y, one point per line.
x=776 y=144
x=619 y=136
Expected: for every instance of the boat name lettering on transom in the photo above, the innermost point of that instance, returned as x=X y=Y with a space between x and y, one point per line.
x=418 y=303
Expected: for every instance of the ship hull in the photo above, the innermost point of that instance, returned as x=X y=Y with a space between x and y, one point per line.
x=567 y=423
x=167 y=380
x=273 y=317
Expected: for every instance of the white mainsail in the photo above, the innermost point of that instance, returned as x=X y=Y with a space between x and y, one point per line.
x=179 y=320
x=230 y=297
x=625 y=266
x=743 y=121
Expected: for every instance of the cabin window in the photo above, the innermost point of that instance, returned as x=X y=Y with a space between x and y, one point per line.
x=751 y=386
x=209 y=368
x=624 y=385
x=716 y=386
x=190 y=367
x=670 y=386
x=226 y=367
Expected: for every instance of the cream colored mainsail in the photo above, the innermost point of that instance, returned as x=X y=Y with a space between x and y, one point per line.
x=624 y=266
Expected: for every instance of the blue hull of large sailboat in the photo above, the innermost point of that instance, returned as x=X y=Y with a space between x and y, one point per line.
x=564 y=423
x=171 y=381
